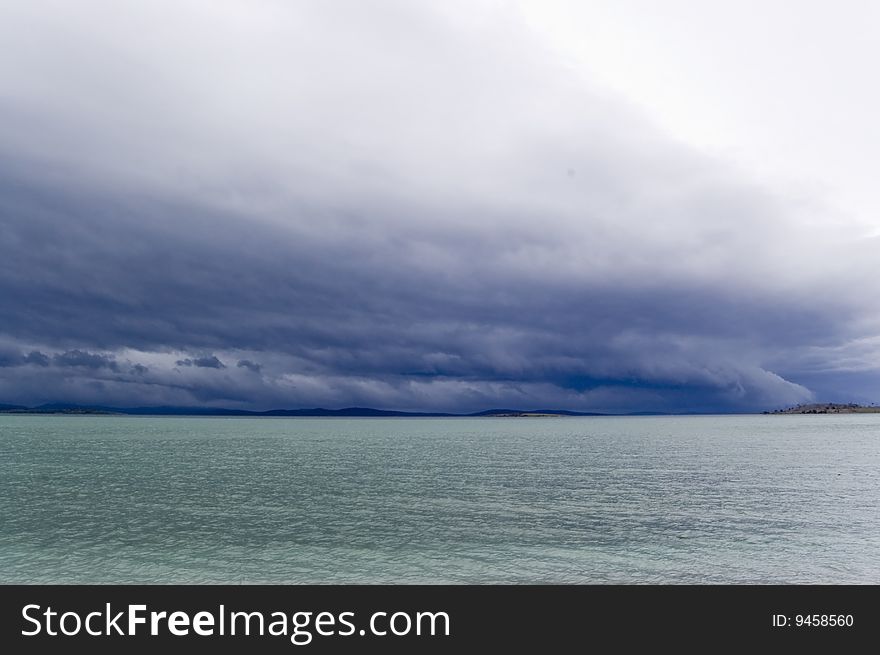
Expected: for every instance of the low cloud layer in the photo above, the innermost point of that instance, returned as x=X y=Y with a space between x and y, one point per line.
x=263 y=205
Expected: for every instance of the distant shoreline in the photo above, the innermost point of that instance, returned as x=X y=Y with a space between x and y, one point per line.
x=828 y=408
x=369 y=412
x=67 y=409
x=352 y=412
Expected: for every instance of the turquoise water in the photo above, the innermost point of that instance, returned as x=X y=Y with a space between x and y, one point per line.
x=709 y=499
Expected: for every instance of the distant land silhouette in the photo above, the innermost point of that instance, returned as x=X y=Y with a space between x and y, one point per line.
x=366 y=412
x=65 y=408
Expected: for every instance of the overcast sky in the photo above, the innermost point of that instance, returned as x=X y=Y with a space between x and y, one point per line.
x=607 y=206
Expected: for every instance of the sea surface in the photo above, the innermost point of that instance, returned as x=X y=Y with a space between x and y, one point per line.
x=695 y=499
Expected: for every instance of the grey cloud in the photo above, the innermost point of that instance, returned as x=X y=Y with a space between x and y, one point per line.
x=251 y=366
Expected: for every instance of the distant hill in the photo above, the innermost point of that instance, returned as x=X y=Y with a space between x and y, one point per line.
x=65 y=408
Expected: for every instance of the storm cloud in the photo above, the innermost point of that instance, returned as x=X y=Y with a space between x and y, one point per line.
x=392 y=204
x=209 y=361
x=80 y=358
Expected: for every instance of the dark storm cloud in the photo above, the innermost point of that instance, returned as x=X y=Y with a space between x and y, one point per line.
x=12 y=357
x=202 y=362
x=393 y=225
x=84 y=359
x=36 y=358
x=248 y=364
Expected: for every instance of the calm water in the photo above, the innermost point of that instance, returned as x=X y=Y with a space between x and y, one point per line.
x=731 y=499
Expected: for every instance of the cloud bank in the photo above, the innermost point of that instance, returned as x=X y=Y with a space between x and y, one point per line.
x=392 y=204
